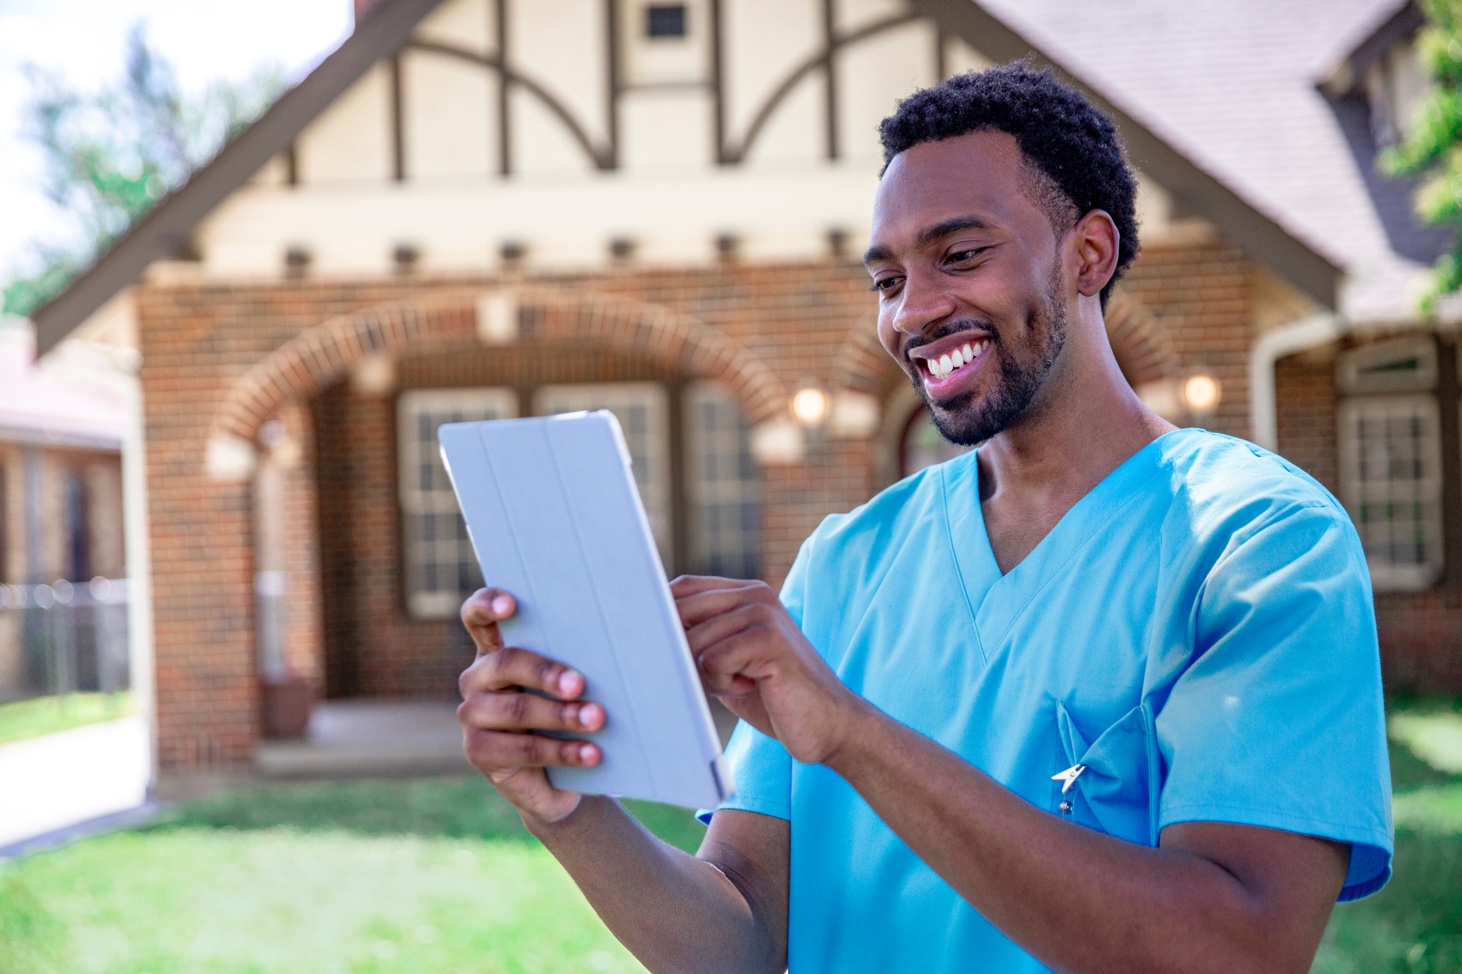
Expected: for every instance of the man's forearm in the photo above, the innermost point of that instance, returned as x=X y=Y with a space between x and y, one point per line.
x=1078 y=900
x=673 y=911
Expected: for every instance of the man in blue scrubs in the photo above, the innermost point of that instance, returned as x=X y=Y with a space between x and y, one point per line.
x=1103 y=695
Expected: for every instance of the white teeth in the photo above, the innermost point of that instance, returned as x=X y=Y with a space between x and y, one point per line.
x=944 y=365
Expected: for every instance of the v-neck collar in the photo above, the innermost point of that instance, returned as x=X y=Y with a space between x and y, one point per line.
x=997 y=600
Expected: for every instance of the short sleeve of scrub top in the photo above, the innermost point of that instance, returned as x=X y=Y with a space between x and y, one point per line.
x=1265 y=728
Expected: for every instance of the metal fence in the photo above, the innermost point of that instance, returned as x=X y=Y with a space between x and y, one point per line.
x=63 y=638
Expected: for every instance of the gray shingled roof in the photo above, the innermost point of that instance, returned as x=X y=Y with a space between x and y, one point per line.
x=1233 y=84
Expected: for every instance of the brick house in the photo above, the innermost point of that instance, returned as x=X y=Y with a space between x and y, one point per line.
x=480 y=208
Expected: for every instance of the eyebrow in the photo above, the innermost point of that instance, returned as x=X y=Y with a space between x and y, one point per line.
x=931 y=235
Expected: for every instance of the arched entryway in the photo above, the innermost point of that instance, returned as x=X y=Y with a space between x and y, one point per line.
x=360 y=557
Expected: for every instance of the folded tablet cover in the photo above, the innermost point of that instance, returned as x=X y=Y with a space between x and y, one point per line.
x=555 y=519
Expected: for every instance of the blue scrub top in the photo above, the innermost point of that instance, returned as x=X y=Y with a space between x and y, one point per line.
x=1197 y=630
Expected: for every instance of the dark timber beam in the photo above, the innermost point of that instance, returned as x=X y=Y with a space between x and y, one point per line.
x=504 y=90
x=613 y=80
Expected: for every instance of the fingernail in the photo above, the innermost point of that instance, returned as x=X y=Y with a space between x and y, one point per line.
x=568 y=683
x=590 y=715
x=586 y=753
x=502 y=605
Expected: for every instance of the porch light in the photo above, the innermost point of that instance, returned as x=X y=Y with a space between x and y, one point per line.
x=1201 y=393
x=809 y=406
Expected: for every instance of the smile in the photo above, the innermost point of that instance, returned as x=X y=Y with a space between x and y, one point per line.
x=949 y=363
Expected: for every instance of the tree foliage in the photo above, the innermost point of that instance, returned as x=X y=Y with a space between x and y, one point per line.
x=1433 y=148
x=110 y=155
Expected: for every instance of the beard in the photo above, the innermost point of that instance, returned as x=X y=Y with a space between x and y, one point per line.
x=1020 y=373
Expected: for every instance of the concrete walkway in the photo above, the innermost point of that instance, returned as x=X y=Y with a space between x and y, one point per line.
x=50 y=783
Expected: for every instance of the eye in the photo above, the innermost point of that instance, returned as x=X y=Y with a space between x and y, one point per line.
x=965 y=255
x=885 y=284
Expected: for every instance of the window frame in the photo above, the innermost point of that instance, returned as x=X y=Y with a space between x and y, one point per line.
x=414 y=503
x=1388 y=576
x=700 y=494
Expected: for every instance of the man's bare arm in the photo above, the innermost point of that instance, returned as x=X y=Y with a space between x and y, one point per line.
x=723 y=910
x=1211 y=898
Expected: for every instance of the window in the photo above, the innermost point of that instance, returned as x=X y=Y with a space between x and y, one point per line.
x=440 y=568
x=76 y=526
x=722 y=499
x=1395 y=85
x=1390 y=459
x=721 y=485
x=641 y=410
x=665 y=21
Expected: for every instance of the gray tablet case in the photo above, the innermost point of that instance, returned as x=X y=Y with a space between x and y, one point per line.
x=555 y=519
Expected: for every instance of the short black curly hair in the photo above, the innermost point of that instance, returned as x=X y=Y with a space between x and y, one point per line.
x=1071 y=149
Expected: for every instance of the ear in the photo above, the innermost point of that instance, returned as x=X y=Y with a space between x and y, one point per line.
x=1094 y=242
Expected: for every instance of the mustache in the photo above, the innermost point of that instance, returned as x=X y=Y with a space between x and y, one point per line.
x=985 y=328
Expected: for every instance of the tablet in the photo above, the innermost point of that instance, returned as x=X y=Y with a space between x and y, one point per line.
x=555 y=519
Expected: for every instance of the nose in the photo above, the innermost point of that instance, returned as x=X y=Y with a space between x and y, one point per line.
x=922 y=303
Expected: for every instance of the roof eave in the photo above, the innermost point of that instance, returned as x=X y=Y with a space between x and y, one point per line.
x=1348 y=77
x=167 y=228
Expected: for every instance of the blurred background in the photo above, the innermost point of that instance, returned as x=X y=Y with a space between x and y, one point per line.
x=252 y=255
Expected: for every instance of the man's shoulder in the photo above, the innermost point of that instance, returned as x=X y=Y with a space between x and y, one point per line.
x=1222 y=475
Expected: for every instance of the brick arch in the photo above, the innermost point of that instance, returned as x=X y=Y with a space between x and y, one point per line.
x=318 y=357
x=1141 y=346
x=862 y=364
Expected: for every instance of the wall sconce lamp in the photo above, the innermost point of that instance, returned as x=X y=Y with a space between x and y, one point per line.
x=810 y=406
x=1201 y=394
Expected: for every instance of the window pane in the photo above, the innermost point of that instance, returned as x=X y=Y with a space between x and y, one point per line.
x=1390 y=481
x=440 y=568
x=723 y=489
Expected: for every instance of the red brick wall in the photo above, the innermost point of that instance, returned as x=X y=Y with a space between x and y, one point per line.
x=803 y=325
x=1201 y=296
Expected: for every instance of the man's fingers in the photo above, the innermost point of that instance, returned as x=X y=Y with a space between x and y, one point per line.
x=721 y=625
x=698 y=602
x=500 y=750
x=528 y=712
x=512 y=668
x=481 y=613
x=722 y=666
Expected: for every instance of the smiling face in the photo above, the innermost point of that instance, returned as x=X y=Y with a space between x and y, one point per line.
x=968 y=271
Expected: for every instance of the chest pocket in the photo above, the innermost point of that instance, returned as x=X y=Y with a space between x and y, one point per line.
x=1118 y=790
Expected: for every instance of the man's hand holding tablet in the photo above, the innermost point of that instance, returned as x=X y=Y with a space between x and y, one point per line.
x=499 y=719
x=749 y=652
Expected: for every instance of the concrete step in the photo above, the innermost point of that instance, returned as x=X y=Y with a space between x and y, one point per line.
x=370 y=738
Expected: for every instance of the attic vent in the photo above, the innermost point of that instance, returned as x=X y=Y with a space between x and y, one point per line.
x=665 y=21
x=1401 y=365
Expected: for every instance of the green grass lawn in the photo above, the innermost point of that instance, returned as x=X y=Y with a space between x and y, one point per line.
x=432 y=875
x=47 y=715
x=437 y=875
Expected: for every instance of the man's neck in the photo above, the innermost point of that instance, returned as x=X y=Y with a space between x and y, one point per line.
x=1034 y=472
